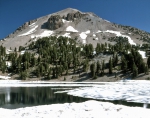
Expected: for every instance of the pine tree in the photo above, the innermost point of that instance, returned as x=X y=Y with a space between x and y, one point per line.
x=98 y=68
x=103 y=68
x=85 y=66
x=98 y=48
x=148 y=62
x=146 y=70
x=124 y=65
x=135 y=70
x=23 y=75
x=110 y=66
x=93 y=70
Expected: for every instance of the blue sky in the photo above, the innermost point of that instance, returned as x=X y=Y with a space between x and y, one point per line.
x=13 y=13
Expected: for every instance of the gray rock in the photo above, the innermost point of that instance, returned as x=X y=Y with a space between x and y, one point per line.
x=54 y=22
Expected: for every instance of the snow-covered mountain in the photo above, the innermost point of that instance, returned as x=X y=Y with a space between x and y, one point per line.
x=82 y=27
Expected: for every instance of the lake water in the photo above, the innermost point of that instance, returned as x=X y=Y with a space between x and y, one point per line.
x=17 y=97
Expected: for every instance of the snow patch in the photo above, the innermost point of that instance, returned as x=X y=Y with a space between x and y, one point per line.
x=33 y=36
x=30 y=31
x=32 y=25
x=94 y=35
x=96 y=38
x=87 y=32
x=107 y=21
x=83 y=41
x=22 y=52
x=119 y=34
x=66 y=35
x=64 y=21
x=4 y=77
x=46 y=33
x=71 y=29
x=142 y=53
x=98 y=31
x=8 y=64
x=83 y=35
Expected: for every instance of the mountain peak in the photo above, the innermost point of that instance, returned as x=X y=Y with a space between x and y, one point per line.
x=72 y=23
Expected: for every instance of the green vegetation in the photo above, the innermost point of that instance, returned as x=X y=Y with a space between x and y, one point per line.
x=52 y=57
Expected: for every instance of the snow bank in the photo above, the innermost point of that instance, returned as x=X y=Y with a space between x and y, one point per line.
x=88 y=109
x=4 y=77
x=142 y=53
x=71 y=29
x=30 y=31
x=119 y=34
x=138 y=91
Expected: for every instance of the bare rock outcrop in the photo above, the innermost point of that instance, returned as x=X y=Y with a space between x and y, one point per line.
x=71 y=16
x=54 y=22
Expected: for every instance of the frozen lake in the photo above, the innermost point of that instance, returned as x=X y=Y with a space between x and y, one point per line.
x=16 y=94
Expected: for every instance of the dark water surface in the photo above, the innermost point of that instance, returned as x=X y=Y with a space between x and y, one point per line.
x=17 y=97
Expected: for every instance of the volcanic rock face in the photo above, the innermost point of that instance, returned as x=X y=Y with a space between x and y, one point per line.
x=71 y=16
x=26 y=24
x=54 y=22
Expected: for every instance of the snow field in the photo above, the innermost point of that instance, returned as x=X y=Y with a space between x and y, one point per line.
x=88 y=109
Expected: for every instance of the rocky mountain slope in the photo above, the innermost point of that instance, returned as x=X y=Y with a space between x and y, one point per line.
x=83 y=27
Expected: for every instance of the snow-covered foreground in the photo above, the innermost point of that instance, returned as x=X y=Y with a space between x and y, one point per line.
x=132 y=91
x=88 y=109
